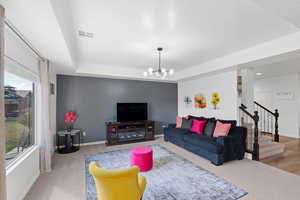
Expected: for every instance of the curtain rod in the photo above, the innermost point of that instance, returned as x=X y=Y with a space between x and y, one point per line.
x=14 y=29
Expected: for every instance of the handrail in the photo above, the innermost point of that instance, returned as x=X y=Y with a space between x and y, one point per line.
x=255 y=118
x=245 y=111
x=266 y=109
x=242 y=105
x=276 y=116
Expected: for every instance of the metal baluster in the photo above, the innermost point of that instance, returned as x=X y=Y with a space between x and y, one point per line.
x=272 y=124
x=264 y=121
x=268 y=118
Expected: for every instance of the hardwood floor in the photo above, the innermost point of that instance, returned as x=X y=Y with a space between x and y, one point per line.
x=289 y=160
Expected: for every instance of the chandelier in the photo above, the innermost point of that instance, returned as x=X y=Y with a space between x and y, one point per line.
x=160 y=72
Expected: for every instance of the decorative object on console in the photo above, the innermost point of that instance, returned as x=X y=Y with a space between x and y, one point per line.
x=70 y=118
x=215 y=100
x=200 y=101
x=160 y=72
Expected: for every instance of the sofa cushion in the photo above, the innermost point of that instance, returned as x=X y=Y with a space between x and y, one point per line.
x=203 y=142
x=176 y=132
x=195 y=117
x=232 y=122
x=209 y=127
x=221 y=129
x=179 y=121
x=198 y=126
x=187 y=123
x=200 y=118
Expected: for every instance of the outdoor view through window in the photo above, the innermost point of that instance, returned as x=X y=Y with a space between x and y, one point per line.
x=19 y=115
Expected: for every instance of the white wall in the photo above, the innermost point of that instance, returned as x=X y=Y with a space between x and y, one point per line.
x=17 y=52
x=20 y=177
x=224 y=83
x=52 y=107
x=265 y=93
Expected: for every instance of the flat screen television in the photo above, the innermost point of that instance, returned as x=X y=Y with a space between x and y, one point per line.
x=127 y=112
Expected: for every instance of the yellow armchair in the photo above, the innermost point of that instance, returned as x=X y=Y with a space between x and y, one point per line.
x=124 y=184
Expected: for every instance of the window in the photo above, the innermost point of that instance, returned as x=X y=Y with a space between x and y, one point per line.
x=19 y=115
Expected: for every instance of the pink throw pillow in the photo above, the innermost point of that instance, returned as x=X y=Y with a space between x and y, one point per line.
x=198 y=126
x=221 y=129
x=179 y=121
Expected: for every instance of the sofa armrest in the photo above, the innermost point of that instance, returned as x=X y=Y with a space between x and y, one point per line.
x=171 y=125
x=234 y=144
x=240 y=135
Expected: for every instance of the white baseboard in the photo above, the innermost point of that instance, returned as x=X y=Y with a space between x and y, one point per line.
x=103 y=141
x=93 y=143
x=248 y=156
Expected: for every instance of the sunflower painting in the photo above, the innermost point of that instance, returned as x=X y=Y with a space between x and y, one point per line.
x=200 y=101
x=215 y=100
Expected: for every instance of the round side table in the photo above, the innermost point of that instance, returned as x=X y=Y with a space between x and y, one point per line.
x=68 y=138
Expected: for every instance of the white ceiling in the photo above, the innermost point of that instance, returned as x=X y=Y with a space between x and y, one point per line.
x=278 y=69
x=127 y=33
x=37 y=22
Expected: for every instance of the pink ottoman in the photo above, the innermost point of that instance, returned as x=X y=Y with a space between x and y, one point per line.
x=142 y=157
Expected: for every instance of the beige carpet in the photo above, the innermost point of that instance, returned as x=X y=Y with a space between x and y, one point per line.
x=66 y=181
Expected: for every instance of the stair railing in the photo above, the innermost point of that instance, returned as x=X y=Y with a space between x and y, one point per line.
x=246 y=116
x=269 y=120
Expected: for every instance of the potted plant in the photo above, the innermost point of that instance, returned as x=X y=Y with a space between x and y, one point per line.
x=70 y=118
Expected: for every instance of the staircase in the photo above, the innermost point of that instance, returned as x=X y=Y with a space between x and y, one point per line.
x=262 y=131
x=268 y=147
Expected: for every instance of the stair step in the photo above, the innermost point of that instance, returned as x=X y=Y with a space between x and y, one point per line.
x=264 y=139
x=271 y=149
x=266 y=133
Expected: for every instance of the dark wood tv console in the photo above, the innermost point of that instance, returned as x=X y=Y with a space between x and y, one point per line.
x=127 y=132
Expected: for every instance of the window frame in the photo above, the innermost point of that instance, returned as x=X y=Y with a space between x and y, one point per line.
x=17 y=160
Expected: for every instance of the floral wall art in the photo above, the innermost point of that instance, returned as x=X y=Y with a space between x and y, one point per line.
x=215 y=100
x=200 y=101
x=187 y=100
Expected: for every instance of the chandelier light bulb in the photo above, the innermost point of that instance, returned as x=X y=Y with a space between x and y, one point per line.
x=150 y=70
x=160 y=72
x=164 y=75
x=171 y=72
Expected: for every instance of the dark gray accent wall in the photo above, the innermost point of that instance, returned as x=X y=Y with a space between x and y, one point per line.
x=95 y=101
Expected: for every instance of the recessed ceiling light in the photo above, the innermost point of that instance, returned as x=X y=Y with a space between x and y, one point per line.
x=258 y=74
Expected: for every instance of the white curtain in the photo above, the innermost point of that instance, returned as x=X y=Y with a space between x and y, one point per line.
x=43 y=119
x=2 y=132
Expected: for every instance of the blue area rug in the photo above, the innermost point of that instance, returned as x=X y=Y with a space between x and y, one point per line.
x=172 y=177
